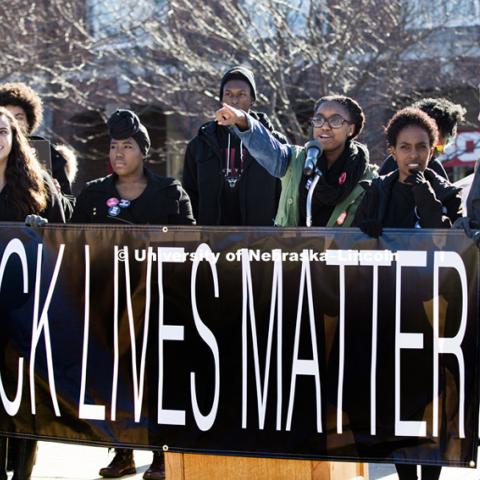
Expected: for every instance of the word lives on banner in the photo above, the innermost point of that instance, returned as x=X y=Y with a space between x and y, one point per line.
x=292 y=343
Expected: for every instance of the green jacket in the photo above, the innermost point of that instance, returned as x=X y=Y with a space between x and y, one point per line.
x=288 y=212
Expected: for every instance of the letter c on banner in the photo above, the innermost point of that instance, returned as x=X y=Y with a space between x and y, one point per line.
x=15 y=246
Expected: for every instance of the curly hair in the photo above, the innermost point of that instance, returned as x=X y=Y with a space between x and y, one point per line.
x=24 y=178
x=445 y=113
x=410 y=117
x=355 y=110
x=21 y=95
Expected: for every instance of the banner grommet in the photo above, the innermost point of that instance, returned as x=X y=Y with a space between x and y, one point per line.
x=165 y=448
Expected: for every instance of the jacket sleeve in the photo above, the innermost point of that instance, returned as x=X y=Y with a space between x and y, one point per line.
x=454 y=207
x=432 y=213
x=190 y=180
x=473 y=199
x=368 y=208
x=54 y=212
x=272 y=155
x=437 y=167
x=80 y=212
x=185 y=214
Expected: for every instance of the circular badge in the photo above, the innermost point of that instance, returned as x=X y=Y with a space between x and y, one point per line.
x=111 y=202
x=114 y=211
x=342 y=178
x=124 y=203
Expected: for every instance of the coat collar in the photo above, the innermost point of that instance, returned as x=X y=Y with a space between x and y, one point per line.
x=154 y=182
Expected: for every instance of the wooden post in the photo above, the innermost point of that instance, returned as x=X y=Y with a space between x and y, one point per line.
x=180 y=466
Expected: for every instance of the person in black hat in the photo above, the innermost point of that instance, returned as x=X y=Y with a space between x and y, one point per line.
x=127 y=197
x=225 y=183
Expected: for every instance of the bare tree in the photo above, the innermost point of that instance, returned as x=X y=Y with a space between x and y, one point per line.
x=86 y=55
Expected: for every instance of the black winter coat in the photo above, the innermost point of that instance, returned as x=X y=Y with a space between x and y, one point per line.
x=438 y=202
x=163 y=202
x=204 y=181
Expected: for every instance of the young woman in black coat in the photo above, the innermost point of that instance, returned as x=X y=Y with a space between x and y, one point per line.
x=132 y=195
x=446 y=115
x=412 y=196
x=25 y=189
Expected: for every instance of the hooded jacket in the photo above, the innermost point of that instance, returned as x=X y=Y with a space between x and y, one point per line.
x=203 y=179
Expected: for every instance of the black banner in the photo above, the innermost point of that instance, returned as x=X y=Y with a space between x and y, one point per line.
x=305 y=343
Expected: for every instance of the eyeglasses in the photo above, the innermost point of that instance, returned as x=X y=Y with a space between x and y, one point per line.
x=335 y=121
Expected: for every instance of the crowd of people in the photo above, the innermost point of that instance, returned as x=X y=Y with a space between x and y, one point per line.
x=238 y=171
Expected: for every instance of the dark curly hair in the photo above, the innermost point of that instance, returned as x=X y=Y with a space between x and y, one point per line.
x=24 y=180
x=445 y=113
x=21 y=95
x=355 y=110
x=407 y=117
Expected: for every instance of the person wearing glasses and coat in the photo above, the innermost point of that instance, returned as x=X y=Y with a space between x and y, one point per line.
x=344 y=163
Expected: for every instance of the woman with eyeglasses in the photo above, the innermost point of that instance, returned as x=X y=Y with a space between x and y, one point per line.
x=341 y=168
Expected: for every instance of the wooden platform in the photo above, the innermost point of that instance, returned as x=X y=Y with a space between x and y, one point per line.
x=180 y=466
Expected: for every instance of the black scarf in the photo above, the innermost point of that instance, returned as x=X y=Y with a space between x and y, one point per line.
x=342 y=177
x=336 y=183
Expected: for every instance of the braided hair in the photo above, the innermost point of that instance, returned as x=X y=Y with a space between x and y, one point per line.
x=355 y=110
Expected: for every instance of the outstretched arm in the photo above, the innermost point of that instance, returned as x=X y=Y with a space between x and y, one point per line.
x=262 y=145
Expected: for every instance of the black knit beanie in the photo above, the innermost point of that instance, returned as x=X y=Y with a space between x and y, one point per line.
x=124 y=124
x=239 y=73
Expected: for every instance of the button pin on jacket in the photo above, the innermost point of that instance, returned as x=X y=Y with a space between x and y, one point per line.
x=114 y=211
x=111 y=202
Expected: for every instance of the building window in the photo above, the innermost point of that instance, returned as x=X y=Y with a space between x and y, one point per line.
x=441 y=13
x=122 y=18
